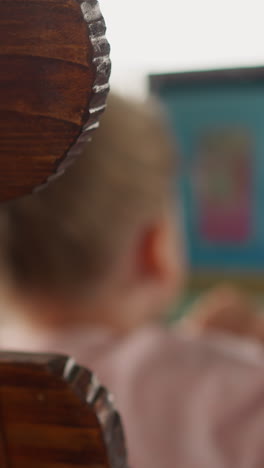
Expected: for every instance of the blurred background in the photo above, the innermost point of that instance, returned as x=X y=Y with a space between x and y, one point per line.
x=218 y=124
x=148 y=36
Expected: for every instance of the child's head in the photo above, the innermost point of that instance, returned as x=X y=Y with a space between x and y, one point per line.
x=102 y=244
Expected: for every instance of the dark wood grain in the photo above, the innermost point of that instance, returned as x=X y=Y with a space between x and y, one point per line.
x=54 y=414
x=54 y=71
x=3 y=449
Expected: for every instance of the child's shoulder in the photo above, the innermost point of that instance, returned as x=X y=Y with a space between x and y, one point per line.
x=186 y=364
x=183 y=345
x=191 y=398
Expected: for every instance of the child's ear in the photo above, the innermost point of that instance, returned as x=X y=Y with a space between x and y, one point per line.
x=157 y=252
x=150 y=257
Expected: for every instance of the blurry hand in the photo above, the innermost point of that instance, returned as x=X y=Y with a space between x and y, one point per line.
x=228 y=310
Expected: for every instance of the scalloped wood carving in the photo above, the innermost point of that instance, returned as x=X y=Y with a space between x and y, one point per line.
x=54 y=72
x=55 y=414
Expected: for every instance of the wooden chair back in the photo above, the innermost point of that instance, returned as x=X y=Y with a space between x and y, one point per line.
x=54 y=72
x=54 y=414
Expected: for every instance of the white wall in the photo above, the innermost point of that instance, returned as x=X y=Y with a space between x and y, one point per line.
x=169 y=35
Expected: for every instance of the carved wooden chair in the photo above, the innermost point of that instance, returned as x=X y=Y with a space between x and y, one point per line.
x=54 y=414
x=54 y=72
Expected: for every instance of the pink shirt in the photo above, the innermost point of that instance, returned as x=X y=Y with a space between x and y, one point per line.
x=186 y=400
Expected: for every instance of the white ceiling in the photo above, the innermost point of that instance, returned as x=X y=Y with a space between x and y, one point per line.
x=169 y=35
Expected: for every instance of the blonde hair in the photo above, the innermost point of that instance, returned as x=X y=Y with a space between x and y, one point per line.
x=71 y=233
